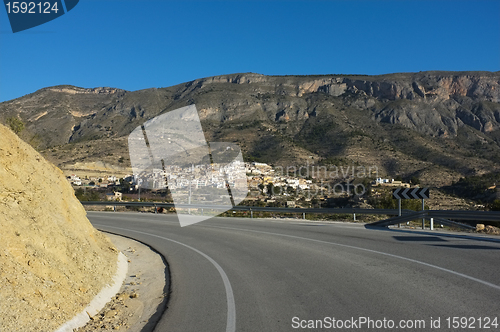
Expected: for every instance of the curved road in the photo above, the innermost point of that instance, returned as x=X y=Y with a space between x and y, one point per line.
x=230 y=274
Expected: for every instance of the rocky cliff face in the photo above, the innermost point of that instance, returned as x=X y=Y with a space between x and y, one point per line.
x=52 y=261
x=433 y=103
x=300 y=114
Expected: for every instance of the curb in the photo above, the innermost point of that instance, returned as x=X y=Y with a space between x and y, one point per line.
x=100 y=300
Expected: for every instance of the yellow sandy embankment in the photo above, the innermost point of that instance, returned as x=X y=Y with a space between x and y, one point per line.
x=52 y=261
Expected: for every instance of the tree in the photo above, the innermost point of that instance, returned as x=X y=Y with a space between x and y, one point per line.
x=125 y=186
x=315 y=202
x=496 y=205
x=367 y=184
x=15 y=124
x=414 y=180
x=388 y=202
x=84 y=195
x=270 y=189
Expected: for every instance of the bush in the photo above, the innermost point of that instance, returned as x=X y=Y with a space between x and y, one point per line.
x=88 y=196
x=15 y=124
x=414 y=180
x=388 y=202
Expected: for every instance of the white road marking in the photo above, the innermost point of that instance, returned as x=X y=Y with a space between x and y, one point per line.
x=231 y=306
x=497 y=287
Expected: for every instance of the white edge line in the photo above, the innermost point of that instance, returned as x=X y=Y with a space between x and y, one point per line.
x=231 y=306
x=100 y=300
x=497 y=287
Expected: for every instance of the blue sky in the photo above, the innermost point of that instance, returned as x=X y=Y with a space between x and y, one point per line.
x=144 y=43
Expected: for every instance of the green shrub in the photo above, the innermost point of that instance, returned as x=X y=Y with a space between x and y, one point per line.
x=15 y=124
x=89 y=196
x=496 y=205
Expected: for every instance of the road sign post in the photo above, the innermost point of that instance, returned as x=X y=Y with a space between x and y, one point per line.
x=399 y=210
x=423 y=219
x=411 y=193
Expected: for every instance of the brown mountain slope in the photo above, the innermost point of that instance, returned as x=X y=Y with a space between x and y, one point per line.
x=431 y=124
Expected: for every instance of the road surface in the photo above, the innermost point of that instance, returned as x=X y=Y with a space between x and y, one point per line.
x=233 y=274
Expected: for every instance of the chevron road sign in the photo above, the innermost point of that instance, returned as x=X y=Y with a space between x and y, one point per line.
x=411 y=193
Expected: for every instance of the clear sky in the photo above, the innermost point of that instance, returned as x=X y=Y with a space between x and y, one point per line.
x=137 y=44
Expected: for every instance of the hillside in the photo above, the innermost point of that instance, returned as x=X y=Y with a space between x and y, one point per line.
x=438 y=126
x=52 y=261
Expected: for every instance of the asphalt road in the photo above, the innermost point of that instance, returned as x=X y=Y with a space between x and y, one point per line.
x=231 y=274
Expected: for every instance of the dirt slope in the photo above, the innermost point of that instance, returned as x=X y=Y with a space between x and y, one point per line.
x=52 y=261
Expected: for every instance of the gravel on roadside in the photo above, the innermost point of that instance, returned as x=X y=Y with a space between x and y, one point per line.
x=143 y=296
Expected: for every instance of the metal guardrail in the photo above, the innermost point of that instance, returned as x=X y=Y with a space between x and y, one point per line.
x=447 y=222
x=415 y=216
x=440 y=216
x=465 y=215
x=390 y=212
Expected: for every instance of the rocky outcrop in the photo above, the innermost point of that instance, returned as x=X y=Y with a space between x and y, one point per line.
x=295 y=113
x=430 y=87
x=433 y=103
x=52 y=261
x=75 y=90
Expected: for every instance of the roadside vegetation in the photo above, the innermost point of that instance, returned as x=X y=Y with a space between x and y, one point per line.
x=483 y=189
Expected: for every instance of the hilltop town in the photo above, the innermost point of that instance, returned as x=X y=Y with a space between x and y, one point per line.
x=289 y=186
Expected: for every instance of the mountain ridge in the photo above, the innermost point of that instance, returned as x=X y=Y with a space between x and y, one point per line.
x=404 y=122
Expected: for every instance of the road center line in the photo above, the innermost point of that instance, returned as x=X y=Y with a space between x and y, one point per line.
x=231 y=307
x=497 y=287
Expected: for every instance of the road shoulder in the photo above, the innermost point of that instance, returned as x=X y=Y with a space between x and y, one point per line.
x=143 y=296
